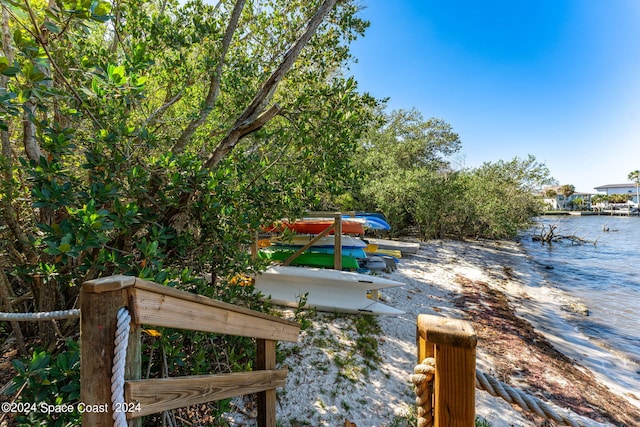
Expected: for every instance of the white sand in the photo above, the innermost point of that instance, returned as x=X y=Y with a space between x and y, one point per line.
x=329 y=382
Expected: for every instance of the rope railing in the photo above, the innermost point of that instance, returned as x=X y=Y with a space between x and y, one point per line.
x=119 y=358
x=423 y=378
x=40 y=316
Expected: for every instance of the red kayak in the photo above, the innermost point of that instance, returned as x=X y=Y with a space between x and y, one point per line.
x=317 y=226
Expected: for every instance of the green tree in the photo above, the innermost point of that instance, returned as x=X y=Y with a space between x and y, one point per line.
x=159 y=136
x=550 y=192
x=634 y=176
x=619 y=198
x=599 y=198
x=578 y=202
x=566 y=190
x=503 y=196
x=402 y=159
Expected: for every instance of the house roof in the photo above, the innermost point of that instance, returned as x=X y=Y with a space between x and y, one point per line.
x=625 y=185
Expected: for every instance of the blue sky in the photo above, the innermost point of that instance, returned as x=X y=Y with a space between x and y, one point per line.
x=558 y=79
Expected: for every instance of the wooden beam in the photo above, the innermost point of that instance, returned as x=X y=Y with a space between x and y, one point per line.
x=266 y=360
x=453 y=344
x=133 y=362
x=337 y=243
x=309 y=244
x=108 y=284
x=443 y=330
x=208 y=302
x=98 y=319
x=163 y=394
x=197 y=313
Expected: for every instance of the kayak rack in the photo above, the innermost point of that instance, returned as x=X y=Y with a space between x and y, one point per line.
x=336 y=227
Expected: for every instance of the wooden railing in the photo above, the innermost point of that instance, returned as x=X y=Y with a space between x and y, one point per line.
x=452 y=343
x=156 y=305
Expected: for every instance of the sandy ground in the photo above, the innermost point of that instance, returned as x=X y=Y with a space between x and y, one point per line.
x=523 y=340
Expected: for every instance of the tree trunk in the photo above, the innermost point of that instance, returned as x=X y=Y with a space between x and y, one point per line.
x=5 y=304
x=7 y=49
x=254 y=116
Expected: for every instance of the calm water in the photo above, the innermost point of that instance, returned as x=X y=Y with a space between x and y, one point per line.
x=604 y=276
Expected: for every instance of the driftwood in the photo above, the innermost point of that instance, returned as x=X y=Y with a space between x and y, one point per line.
x=548 y=235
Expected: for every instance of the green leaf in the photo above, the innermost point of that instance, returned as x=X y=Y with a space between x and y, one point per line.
x=102 y=10
x=10 y=71
x=52 y=27
x=39 y=361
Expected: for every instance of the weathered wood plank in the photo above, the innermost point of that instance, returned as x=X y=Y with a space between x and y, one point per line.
x=162 y=394
x=161 y=309
x=452 y=342
x=266 y=360
x=442 y=330
x=133 y=363
x=97 y=333
x=188 y=296
x=108 y=284
x=454 y=386
x=337 y=243
x=324 y=232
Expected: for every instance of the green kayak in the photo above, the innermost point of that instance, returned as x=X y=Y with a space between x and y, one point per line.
x=310 y=259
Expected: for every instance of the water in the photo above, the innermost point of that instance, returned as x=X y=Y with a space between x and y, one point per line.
x=605 y=276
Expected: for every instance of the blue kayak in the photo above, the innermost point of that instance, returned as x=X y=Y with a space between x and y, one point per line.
x=352 y=252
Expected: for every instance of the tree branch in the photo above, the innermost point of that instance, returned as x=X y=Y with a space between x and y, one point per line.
x=154 y=117
x=239 y=132
x=5 y=303
x=214 y=86
x=253 y=111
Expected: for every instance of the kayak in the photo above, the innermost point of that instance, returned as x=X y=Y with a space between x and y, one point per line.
x=354 y=252
x=326 y=290
x=317 y=226
x=404 y=247
x=310 y=259
x=326 y=241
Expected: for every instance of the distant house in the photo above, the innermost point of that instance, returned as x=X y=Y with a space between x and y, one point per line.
x=628 y=188
x=558 y=201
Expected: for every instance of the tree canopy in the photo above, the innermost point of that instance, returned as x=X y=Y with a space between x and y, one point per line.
x=149 y=138
x=408 y=175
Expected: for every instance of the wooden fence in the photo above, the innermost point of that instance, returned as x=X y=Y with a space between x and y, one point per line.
x=452 y=343
x=156 y=305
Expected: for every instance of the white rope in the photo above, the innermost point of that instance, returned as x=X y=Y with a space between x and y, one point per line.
x=41 y=316
x=117 y=371
x=424 y=373
x=528 y=403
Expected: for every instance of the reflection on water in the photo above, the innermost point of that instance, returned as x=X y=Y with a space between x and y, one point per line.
x=604 y=274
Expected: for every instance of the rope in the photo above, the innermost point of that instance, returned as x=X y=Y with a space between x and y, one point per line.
x=117 y=371
x=38 y=317
x=423 y=381
x=528 y=403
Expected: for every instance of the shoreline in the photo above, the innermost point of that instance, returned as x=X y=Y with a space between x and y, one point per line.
x=494 y=285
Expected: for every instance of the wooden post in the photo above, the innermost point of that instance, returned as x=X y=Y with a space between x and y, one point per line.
x=254 y=247
x=308 y=245
x=133 y=363
x=266 y=355
x=453 y=343
x=337 y=243
x=100 y=301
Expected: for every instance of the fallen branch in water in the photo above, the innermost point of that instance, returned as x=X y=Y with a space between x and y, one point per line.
x=549 y=236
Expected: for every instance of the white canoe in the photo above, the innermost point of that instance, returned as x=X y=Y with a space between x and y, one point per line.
x=404 y=247
x=327 y=290
x=326 y=241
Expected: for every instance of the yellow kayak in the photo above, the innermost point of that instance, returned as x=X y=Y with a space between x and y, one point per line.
x=392 y=252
